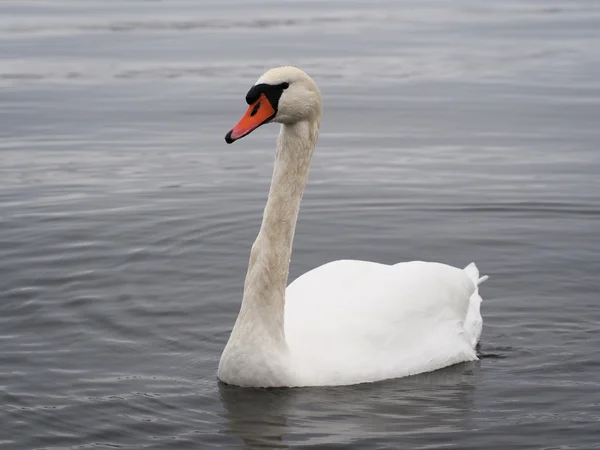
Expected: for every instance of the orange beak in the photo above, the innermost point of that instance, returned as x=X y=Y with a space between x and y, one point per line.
x=258 y=113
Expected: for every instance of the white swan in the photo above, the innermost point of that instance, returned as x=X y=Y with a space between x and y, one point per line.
x=345 y=322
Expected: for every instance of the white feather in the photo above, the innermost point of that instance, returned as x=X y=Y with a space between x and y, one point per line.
x=355 y=321
x=347 y=321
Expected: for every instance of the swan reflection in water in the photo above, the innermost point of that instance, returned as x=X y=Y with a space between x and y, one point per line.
x=428 y=408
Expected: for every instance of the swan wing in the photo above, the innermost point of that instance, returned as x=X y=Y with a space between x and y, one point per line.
x=352 y=321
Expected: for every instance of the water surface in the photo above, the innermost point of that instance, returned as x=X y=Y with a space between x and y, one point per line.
x=452 y=131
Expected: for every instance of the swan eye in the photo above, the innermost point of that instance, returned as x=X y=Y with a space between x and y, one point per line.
x=285 y=85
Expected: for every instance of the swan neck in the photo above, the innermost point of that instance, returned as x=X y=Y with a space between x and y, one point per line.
x=268 y=270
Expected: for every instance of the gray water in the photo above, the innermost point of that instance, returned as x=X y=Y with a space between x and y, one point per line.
x=452 y=131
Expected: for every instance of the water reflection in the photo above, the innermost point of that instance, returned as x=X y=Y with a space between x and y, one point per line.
x=430 y=406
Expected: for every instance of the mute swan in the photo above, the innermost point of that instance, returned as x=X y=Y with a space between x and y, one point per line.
x=347 y=321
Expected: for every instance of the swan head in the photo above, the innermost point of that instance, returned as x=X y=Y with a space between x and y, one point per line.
x=284 y=95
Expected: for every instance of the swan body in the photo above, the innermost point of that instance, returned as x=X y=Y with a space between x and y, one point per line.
x=347 y=321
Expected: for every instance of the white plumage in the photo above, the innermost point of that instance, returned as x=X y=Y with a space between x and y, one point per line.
x=352 y=321
x=347 y=321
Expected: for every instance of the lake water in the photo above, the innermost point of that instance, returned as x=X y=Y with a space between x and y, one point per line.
x=452 y=131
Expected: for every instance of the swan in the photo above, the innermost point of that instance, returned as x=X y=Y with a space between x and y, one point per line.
x=347 y=321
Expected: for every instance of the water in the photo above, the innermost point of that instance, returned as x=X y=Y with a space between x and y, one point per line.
x=453 y=131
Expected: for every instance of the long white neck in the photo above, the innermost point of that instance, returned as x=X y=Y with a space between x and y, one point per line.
x=262 y=310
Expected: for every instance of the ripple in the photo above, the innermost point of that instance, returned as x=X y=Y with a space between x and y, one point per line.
x=180 y=24
x=502 y=64
x=544 y=209
x=454 y=132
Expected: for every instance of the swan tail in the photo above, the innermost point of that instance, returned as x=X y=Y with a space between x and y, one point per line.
x=473 y=322
x=473 y=273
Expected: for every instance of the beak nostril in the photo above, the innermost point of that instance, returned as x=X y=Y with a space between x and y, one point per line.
x=255 y=109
